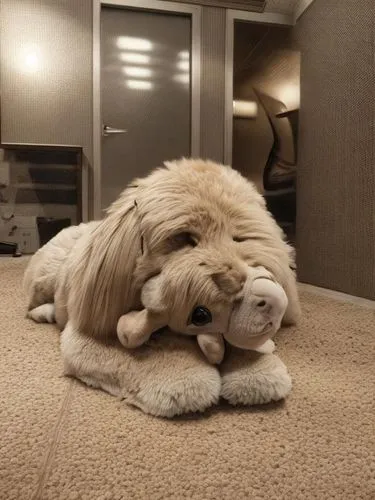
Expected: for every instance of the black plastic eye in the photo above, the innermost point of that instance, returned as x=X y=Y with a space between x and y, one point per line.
x=201 y=316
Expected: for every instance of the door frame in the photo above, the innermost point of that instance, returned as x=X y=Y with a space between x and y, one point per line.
x=231 y=17
x=195 y=13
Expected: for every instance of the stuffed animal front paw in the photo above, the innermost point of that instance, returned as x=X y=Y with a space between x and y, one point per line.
x=250 y=378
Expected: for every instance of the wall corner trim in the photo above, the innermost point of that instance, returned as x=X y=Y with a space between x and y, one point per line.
x=301 y=7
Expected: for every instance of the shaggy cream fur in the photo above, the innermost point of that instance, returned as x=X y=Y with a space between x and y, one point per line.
x=189 y=214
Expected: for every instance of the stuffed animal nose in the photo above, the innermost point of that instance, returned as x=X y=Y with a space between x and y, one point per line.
x=267 y=304
x=264 y=305
x=270 y=298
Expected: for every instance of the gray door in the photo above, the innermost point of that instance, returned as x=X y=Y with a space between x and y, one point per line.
x=145 y=90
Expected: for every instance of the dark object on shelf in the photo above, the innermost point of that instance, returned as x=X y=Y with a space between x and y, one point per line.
x=9 y=249
x=27 y=234
x=48 y=228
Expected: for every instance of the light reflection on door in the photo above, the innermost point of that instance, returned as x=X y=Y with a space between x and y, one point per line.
x=145 y=90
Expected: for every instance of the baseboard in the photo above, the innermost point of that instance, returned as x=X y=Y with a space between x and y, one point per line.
x=333 y=294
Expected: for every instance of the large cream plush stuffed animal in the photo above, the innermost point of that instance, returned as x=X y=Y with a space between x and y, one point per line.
x=188 y=215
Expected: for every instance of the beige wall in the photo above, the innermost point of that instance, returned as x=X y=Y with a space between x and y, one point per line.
x=336 y=167
x=53 y=105
x=46 y=72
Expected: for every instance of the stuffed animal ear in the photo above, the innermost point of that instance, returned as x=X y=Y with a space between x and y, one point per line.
x=152 y=296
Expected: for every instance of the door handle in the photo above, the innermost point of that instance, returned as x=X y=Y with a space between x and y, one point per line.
x=106 y=131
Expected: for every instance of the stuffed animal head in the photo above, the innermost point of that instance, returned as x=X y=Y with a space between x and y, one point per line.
x=192 y=222
x=248 y=310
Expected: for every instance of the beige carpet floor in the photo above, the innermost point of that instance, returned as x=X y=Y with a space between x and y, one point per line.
x=62 y=440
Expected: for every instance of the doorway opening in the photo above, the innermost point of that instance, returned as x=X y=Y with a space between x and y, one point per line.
x=266 y=101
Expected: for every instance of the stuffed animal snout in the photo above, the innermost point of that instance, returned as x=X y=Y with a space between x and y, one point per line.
x=257 y=317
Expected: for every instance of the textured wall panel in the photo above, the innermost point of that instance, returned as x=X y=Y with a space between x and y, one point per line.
x=46 y=72
x=213 y=83
x=336 y=169
x=282 y=6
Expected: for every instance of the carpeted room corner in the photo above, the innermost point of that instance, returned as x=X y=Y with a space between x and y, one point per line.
x=61 y=439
